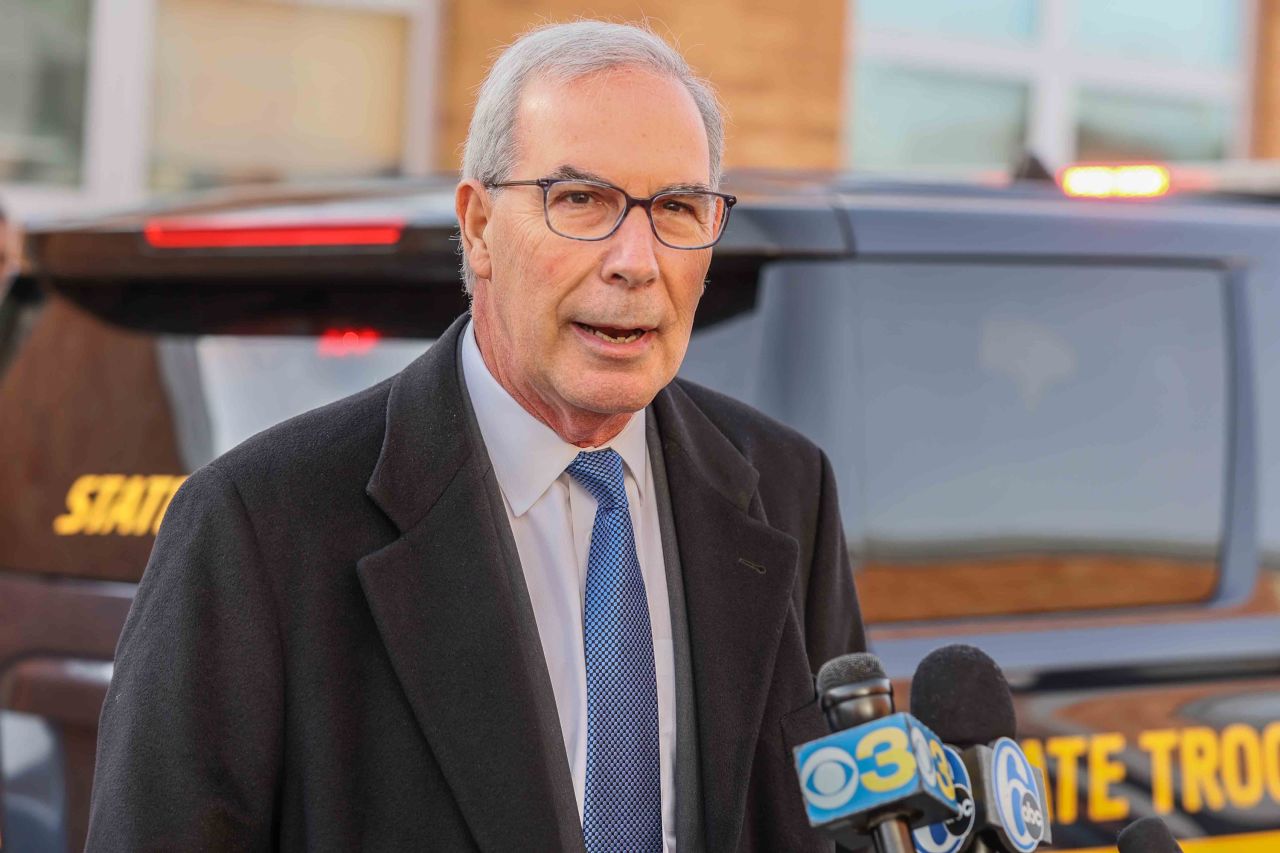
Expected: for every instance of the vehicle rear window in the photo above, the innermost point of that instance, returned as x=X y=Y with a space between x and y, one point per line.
x=1007 y=437
x=114 y=393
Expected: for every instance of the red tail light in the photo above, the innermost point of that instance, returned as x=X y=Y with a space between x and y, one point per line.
x=337 y=343
x=197 y=234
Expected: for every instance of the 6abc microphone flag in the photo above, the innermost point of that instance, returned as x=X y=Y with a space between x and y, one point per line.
x=888 y=779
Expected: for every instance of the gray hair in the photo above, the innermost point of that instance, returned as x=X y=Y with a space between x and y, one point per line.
x=565 y=52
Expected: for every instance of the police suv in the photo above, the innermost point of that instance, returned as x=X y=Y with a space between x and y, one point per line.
x=1054 y=420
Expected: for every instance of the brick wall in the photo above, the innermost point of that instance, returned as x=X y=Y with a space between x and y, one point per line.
x=776 y=64
x=1266 y=107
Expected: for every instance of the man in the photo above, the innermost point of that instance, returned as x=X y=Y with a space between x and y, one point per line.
x=530 y=593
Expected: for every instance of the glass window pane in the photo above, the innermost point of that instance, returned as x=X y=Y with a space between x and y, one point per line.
x=44 y=49
x=1201 y=33
x=910 y=117
x=1006 y=438
x=1122 y=126
x=991 y=19
x=252 y=91
x=35 y=783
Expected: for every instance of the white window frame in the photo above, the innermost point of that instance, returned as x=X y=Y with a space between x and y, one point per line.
x=1054 y=72
x=119 y=88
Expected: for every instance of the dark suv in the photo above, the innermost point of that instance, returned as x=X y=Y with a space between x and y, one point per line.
x=1049 y=419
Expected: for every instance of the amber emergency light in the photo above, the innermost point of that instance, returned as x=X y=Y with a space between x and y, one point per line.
x=1146 y=180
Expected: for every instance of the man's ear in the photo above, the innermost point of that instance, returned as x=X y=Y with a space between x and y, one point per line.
x=471 y=202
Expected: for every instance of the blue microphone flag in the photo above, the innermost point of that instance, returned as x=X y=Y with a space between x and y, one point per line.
x=850 y=776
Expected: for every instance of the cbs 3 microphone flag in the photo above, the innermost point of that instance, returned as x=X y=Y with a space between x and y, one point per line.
x=888 y=780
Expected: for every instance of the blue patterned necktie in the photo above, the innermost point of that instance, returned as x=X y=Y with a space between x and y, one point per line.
x=622 y=802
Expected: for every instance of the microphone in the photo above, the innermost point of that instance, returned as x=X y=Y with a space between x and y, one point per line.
x=1148 y=835
x=880 y=773
x=961 y=694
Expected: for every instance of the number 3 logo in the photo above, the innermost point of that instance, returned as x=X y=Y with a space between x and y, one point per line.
x=895 y=765
x=946 y=781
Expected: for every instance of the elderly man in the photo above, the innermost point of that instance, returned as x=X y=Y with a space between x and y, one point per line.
x=530 y=593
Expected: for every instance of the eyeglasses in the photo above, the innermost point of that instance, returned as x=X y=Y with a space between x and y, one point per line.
x=592 y=210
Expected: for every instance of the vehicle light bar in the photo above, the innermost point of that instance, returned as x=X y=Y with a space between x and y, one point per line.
x=1133 y=181
x=197 y=234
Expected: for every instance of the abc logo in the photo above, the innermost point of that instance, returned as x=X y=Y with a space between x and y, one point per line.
x=1032 y=815
x=829 y=778
x=1017 y=796
x=962 y=824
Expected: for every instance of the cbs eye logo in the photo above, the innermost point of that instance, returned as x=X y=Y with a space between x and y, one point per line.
x=829 y=778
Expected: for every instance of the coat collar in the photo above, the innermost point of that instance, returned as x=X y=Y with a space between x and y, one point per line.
x=738 y=578
x=457 y=627
x=472 y=666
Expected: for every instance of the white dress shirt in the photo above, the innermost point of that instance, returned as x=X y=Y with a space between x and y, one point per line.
x=551 y=517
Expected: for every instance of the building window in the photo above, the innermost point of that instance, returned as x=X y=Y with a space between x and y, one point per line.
x=44 y=49
x=925 y=116
x=1115 y=126
x=249 y=91
x=936 y=85
x=104 y=103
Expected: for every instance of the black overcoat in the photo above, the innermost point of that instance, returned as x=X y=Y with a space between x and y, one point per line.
x=325 y=653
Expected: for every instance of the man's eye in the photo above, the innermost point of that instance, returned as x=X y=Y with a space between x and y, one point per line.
x=576 y=198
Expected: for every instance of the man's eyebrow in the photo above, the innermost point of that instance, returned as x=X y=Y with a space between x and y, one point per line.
x=566 y=172
x=696 y=187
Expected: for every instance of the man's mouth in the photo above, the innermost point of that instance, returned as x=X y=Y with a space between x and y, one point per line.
x=614 y=334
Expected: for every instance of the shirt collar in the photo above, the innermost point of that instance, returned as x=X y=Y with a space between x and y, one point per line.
x=527 y=455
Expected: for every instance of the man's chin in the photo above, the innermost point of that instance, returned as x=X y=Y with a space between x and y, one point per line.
x=611 y=396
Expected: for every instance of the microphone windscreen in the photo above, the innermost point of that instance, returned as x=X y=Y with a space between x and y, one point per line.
x=960 y=693
x=1148 y=835
x=849 y=669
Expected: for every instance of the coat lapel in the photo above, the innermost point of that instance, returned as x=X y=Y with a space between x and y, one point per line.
x=442 y=599
x=738 y=579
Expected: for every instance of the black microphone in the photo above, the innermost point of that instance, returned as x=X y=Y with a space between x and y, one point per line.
x=960 y=693
x=879 y=773
x=854 y=690
x=1148 y=835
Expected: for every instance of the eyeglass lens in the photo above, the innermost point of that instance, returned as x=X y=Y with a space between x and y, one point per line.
x=588 y=211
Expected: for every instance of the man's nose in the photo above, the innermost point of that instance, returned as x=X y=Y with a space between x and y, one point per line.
x=632 y=259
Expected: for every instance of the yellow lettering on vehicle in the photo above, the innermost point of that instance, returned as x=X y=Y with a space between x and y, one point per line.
x=1066 y=753
x=1194 y=769
x=125 y=507
x=891 y=750
x=175 y=482
x=1200 y=787
x=1271 y=760
x=104 y=504
x=108 y=485
x=79 y=500
x=1105 y=771
x=1161 y=744
x=159 y=490
x=1242 y=765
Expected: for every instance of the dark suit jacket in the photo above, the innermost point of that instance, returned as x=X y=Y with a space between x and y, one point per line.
x=329 y=649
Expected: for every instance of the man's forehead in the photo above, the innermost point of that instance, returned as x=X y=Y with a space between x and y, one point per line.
x=611 y=125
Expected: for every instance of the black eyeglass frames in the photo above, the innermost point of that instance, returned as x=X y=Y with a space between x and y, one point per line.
x=593 y=210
